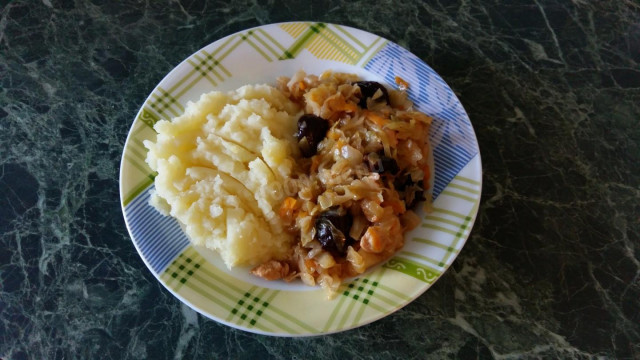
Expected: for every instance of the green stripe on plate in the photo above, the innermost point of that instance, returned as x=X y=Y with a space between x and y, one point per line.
x=223 y=45
x=191 y=72
x=339 y=48
x=440 y=228
x=413 y=269
x=143 y=168
x=197 y=79
x=137 y=142
x=467 y=180
x=356 y=291
x=205 y=66
x=448 y=212
x=459 y=196
x=373 y=53
x=210 y=58
x=431 y=242
x=257 y=48
x=275 y=310
x=185 y=269
x=206 y=73
x=299 y=44
x=392 y=303
x=138 y=155
x=336 y=310
x=393 y=292
x=270 y=299
x=465 y=225
x=266 y=35
x=353 y=38
x=171 y=100
x=443 y=220
x=279 y=324
x=208 y=294
x=251 y=304
x=138 y=189
x=422 y=257
x=343 y=319
x=226 y=53
x=369 y=292
x=292 y=319
x=265 y=44
x=222 y=281
x=162 y=106
x=464 y=188
x=211 y=286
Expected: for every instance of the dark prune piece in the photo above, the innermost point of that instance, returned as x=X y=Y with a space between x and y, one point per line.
x=311 y=131
x=368 y=89
x=410 y=191
x=382 y=164
x=401 y=182
x=332 y=230
x=418 y=195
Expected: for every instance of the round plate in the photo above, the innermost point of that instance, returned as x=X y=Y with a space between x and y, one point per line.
x=259 y=55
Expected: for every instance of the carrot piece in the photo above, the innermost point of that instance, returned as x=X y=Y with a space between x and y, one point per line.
x=350 y=107
x=339 y=104
x=311 y=265
x=315 y=162
x=288 y=207
x=333 y=135
x=397 y=206
x=377 y=119
x=393 y=139
x=427 y=176
x=402 y=83
x=372 y=240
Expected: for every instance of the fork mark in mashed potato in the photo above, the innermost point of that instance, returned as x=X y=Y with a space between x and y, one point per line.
x=238 y=147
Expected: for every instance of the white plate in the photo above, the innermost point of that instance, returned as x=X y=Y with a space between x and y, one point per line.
x=259 y=55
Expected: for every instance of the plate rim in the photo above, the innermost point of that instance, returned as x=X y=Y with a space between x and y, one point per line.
x=476 y=159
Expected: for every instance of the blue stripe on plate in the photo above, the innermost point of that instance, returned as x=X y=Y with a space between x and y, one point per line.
x=452 y=139
x=160 y=239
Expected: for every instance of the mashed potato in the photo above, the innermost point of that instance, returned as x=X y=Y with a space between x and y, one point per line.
x=221 y=166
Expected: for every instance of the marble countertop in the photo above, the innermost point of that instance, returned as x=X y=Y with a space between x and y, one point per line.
x=552 y=267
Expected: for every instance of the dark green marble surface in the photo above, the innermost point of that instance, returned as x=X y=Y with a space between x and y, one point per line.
x=552 y=268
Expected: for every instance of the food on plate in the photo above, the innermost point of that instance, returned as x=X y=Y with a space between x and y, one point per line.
x=364 y=163
x=315 y=179
x=217 y=164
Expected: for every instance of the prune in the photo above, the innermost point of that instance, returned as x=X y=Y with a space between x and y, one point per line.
x=332 y=230
x=411 y=192
x=401 y=181
x=368 y=89
x=380 y=163
x=311 y=131
x=418 y=195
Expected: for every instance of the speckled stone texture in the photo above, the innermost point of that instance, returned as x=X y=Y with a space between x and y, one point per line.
x=552 y=266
